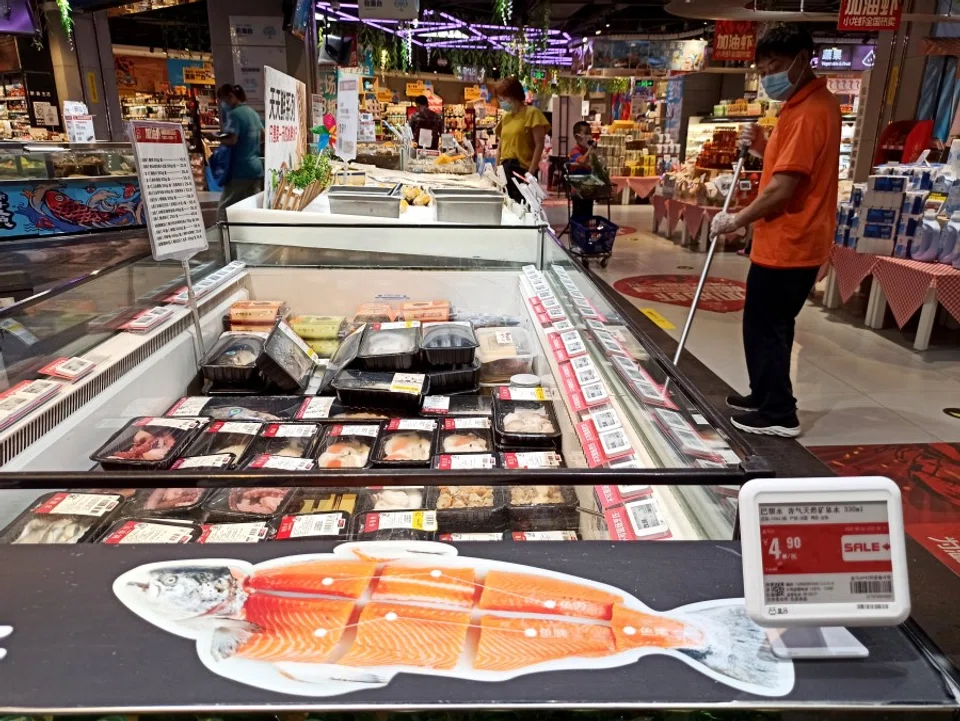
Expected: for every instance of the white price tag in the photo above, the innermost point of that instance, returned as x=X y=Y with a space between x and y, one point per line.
x=435 y=404
x=317 y=407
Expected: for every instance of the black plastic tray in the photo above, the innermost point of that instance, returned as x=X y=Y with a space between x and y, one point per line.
x=272 y=441
x=514 y=440
x=286 y=360
x=399 y=361
x=224 y=504
x=259 y=408
x=449 y=428
x=165 y=505
x=123 y=440
x=345 y=355
x=372 y=390
x=184 y=531
x=447 y=344
x=365 y=526
x=480 y=519
x=456 y=379
x=562 y=516
x=90 y=525
x=219 y=437
x=461 y=405
x=356 y=434
x=213 y=367
x=396 y=428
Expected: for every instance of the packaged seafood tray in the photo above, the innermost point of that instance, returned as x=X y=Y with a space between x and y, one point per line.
x=216 y=462
x=286 y=360
x=167 y=502
x=543 y=508
x=234 y=437
x=148 y=443
x=267 y=462
x=317 y=327
x=429 y=310
x=446 y=344
x=63 y=517
x=238 y=408
x=417 y=525
x=504 y=352
x=399 y=391
x=233 y=504
x=289 y=440
x=242 y=532
x=390 y=349
x=150 y=530
x=469 y=509
x=531 y=460
x=525 y=424
x=457 y=405
x=394 y=498
x=327 y=409
x=465 y=435
x=348 y=445
x=324 y=500
x=406 y=443
x=345 y=354
x=257 y=386
x=329 y=526
x=464 y=462
x=233 y=358
x=456 y=379
x=374 y=313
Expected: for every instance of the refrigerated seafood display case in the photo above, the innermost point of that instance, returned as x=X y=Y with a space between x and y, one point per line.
x=49 y=189
x=553 y=527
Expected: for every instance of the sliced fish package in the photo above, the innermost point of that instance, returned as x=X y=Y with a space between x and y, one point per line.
x=63 y=517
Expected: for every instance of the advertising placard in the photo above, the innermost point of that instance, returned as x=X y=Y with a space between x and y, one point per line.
x=869 y=15
x=734 y=40
x=284 y=130
x=174 y=220
x=348 y=115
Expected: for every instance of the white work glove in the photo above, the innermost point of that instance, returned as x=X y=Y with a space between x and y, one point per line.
x=723 y=223
x=752 y=136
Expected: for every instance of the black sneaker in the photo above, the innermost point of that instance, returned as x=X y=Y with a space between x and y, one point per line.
x=742 y=403
x=755 y=422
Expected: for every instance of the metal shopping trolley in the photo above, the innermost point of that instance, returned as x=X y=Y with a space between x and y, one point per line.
x=592 y=239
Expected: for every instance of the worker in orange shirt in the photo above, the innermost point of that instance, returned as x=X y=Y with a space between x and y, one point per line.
x=793 y=220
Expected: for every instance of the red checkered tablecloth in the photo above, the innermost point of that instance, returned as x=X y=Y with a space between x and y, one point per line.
x=693 y=217
x=851 y=268
x=642 y=186
x=659 y=203
x=906 y=282
x=674 y=208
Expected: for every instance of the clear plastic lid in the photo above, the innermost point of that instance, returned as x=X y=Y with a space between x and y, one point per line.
x=389 y=341
x=448 y=335
x=236 y=350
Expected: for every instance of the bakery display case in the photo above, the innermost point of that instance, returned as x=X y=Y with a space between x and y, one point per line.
x=490 y=460
x=49 y=189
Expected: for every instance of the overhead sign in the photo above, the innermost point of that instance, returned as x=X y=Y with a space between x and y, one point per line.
x=734 y=40
x=856 y=15
x=174 y=220
x=199 y=75
x=415 y=89
x=285 y=127
x=348 y=115
x=845 y=57
x=471 y=94
x=824 y=552
x=385 y=95
x=256 y=30
x=388 y=9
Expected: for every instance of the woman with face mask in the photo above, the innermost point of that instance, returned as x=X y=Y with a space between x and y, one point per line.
x=522 y=133
x=793 y=218
x=242 y=130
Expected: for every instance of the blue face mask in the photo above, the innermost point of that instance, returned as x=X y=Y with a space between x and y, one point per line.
x=506 y=106
x=777 y=85
x=224 y=108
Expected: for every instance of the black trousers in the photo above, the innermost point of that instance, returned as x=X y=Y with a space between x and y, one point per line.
x=775 y=297
x=582 y=209
x=511 y=166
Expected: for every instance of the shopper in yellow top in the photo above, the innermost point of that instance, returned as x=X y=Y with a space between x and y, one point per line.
x=793 y=221
x=522 y=133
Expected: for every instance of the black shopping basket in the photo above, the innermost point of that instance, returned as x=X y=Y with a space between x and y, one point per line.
x=593 y=238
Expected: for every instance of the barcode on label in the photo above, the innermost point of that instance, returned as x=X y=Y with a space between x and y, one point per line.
x=882 y=586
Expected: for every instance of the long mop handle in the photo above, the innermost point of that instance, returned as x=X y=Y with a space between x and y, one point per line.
x=710 y=251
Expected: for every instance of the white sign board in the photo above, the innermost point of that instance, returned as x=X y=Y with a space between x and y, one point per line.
x=74 y=107
x=367 y=132
x=256 y=30
x=348 y=115
x=282 y=128
x=248 y=65
x=388 y=9
x=824 y=552
x=174 y=219
x=79 y=128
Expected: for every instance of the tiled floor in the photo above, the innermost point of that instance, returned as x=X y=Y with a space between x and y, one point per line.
x=854 y=385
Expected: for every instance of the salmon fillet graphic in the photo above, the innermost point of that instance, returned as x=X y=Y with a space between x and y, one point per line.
x=396 y=635
x=511 y=643
x=529 y=593
x=635 y=629
x=341 y=578
x=280 y=628
x=449 y=586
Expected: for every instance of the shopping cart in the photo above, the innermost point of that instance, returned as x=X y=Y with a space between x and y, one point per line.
x=584 y=186
x=592 y=239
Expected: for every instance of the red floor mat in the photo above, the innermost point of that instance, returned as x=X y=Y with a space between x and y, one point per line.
x=929 y=478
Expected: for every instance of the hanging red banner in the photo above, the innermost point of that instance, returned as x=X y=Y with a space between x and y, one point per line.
x=734 y=40
x=869 y=14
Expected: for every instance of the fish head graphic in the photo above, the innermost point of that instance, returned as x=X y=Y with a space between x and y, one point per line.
x=191 y=592
x=56 y=200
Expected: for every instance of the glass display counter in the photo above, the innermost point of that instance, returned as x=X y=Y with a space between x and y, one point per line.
x=49 y=189
x=564 y=541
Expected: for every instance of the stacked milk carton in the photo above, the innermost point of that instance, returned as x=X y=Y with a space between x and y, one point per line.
x=879 y=210
x=848 y=218
x=911 y=219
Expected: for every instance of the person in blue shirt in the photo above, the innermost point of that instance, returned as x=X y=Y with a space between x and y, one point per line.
x=242 y=131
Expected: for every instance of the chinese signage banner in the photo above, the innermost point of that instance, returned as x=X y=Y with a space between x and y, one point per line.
x=285 y=127
x=734 y=40
x=869 y=15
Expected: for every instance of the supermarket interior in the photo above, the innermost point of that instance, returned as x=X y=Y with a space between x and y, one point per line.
x=626 y=334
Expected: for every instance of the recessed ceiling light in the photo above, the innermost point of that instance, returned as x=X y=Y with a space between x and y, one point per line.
x=597 y=33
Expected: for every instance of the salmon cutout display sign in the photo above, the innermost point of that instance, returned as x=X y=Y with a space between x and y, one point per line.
x=334 y=623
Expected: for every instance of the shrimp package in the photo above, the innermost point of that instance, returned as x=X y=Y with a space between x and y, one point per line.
x=407 y=443
x=519 y=424
x=347 y=445
x=148 y=443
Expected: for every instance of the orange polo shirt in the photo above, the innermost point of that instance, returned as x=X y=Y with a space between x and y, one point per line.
x=805 y=140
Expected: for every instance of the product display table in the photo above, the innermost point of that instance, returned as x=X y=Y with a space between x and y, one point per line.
x=695 y=230
x=909 y=284
x=642 y=186
x=110 y=660
x=847 y=269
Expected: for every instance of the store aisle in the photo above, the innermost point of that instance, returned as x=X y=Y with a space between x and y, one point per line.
x=854 y=385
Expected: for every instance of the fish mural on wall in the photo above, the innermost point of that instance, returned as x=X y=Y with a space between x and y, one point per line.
x=329 y=624
x=62 y=207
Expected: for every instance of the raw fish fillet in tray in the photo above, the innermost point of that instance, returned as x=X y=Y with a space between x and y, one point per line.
x=329 y=624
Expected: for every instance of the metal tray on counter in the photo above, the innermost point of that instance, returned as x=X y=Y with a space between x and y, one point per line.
x=369 y=201
x=468 y=205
